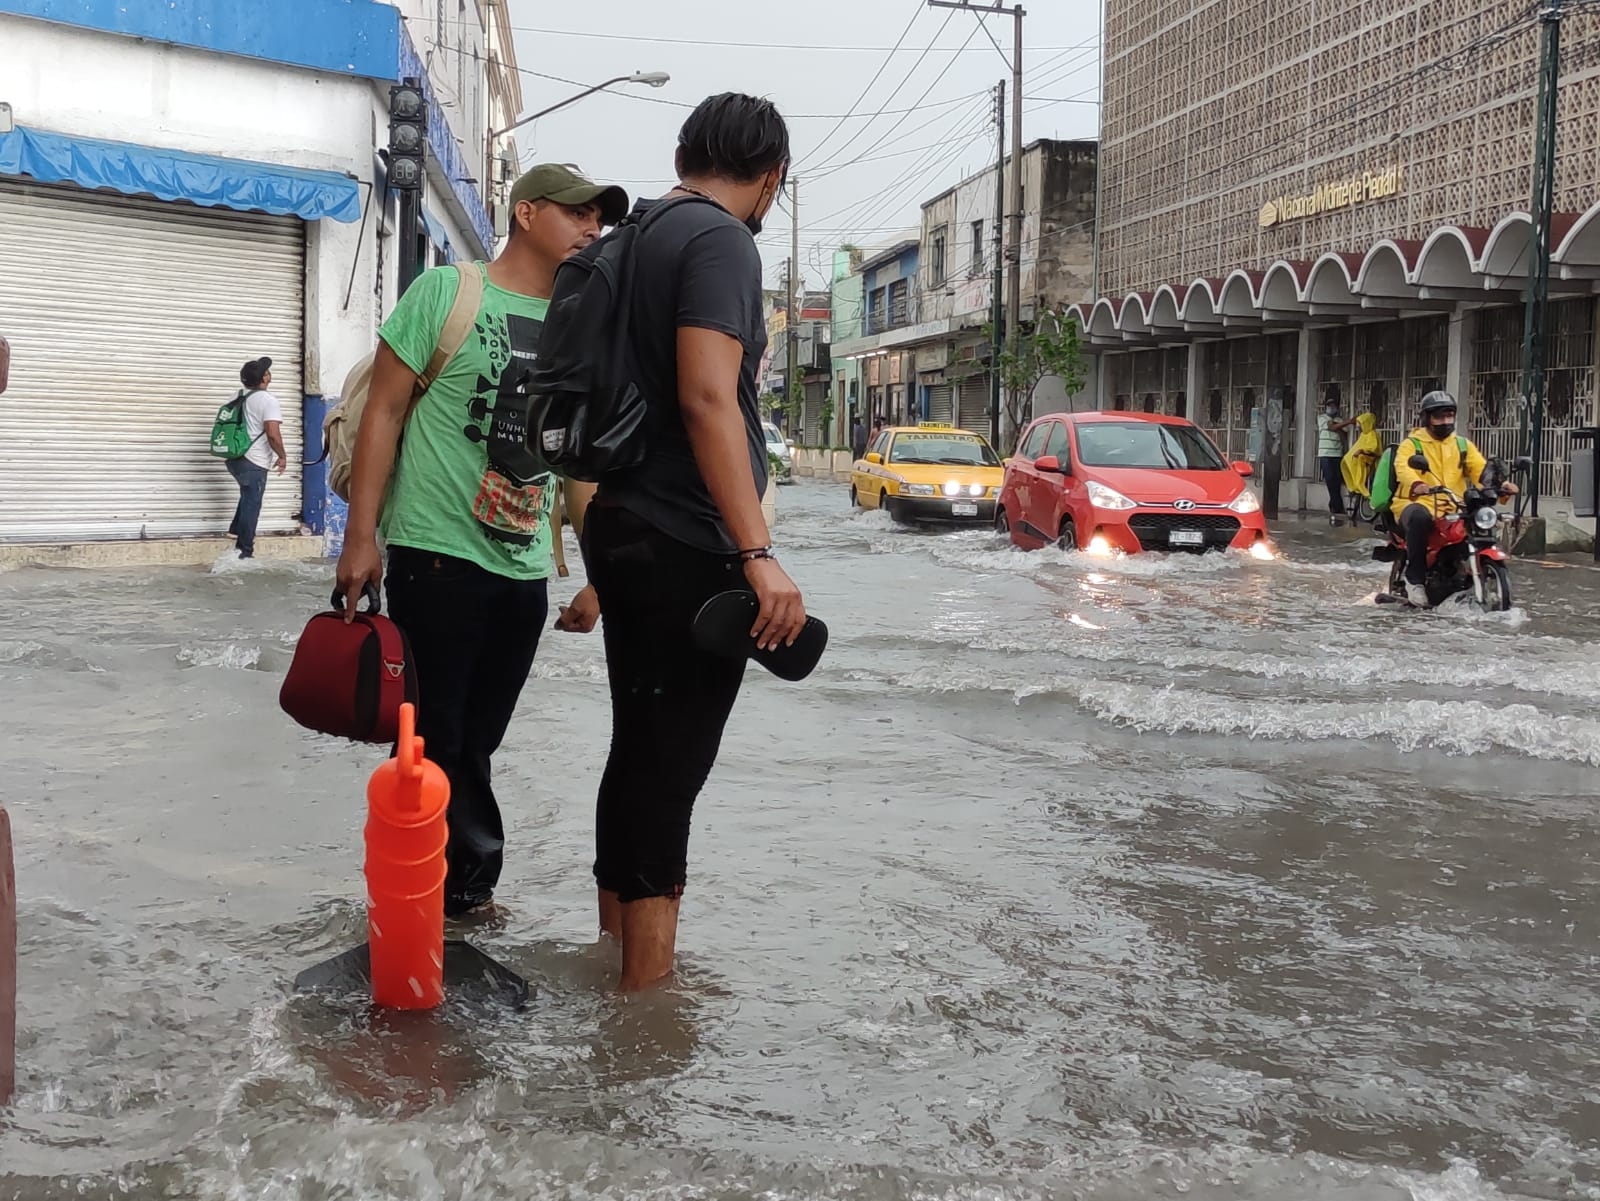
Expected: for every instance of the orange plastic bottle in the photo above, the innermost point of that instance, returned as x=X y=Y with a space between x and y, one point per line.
x=406 y=836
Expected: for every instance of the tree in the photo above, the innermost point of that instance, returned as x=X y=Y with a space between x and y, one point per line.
x=1049 y=347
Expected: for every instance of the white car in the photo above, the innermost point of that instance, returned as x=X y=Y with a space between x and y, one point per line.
x=781 y=449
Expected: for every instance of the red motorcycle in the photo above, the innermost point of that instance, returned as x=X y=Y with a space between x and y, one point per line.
x=1464 y=553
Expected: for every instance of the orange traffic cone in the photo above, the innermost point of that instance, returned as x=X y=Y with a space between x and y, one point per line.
x=406 y=837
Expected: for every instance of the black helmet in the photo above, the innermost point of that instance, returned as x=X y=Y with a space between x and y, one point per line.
x=1436 y=400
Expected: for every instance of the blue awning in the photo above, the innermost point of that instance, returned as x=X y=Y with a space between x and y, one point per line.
x=436 y=233
x=176 y=175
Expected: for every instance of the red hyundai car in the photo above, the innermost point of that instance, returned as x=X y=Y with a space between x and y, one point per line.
x=1129 y=482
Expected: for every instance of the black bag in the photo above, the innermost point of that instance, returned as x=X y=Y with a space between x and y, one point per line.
x=588 y=417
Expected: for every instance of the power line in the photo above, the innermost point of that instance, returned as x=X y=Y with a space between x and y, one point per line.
x=877 y=75
x=904 y=80
x=635 y=37
x=926 y=92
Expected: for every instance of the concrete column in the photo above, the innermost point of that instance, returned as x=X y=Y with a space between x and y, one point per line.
x=1100 y=374
x=1305 y=404
x=1192 y=382
x=1458 y=361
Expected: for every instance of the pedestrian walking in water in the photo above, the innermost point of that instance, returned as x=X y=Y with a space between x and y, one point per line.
x=467 y=518
x=1330 y=451
x=251 y=440
x=687 y=524
x=858 y=438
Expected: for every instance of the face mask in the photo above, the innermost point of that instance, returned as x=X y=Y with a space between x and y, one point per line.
x=1331 y=411
x=1441 y=432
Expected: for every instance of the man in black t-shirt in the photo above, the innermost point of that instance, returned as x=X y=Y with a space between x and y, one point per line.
x=663 y=538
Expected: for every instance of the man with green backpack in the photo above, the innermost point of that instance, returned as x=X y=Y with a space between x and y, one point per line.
x=248 y=434
x=1406 y=493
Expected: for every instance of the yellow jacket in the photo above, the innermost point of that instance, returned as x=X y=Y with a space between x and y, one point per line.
x=1446 y=465
x=1357 y=465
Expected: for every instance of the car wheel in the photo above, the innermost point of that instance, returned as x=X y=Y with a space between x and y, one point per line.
x=883 y=503
x=1068 y=538
x=1002 y=523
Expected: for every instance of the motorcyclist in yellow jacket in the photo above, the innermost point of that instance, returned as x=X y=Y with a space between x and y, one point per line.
x=1414 y=509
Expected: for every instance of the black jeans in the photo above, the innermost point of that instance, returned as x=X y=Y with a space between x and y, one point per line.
x=473 y=636
x=1416 y=527
x=252 y=481
x=1333 y=477
x=669 y=700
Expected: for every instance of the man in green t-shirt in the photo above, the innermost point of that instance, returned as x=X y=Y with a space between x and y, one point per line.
x=467 y=517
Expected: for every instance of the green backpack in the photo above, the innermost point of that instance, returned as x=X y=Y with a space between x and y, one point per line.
x=230 y=435
x=1385 y=481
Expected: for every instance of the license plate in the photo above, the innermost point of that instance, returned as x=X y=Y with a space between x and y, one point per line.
x=1186 y=538
x=963 y=508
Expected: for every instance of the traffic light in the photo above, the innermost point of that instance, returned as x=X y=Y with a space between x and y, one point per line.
x=408 y=135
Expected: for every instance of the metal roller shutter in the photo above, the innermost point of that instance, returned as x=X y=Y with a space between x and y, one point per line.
x=942 y=403
x=128 y=321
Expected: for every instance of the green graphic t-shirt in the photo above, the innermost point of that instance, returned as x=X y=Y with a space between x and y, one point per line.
x=465 y=482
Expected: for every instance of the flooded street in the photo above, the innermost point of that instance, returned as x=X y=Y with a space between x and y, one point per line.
x=1062 y=877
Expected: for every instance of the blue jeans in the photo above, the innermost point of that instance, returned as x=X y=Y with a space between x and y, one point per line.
x=252 y=481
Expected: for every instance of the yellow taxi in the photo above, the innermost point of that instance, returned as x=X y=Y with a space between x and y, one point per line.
x=929 y=472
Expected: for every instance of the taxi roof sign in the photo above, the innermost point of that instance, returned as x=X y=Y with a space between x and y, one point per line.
x=934 y=425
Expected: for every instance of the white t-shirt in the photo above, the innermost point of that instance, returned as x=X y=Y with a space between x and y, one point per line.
x=258 y=410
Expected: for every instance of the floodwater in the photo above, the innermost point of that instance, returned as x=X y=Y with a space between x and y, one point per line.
x=1068 y=878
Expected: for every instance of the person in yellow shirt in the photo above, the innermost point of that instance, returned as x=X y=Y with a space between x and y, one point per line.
x=1453 y=462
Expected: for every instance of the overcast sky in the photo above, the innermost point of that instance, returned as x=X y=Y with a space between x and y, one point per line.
x=862 y=181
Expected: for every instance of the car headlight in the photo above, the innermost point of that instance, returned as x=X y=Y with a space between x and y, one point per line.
x=952 y=488
x=1485 y=519
x=916 y=489
x=1102 y=497
x=975 y=489
x=1245 y=502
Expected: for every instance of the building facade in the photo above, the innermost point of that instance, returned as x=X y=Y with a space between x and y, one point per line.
x=926 y=320
x=1315 y=201
x=193 y=185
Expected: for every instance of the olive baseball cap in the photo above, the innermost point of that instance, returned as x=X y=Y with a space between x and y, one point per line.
x=563 y=185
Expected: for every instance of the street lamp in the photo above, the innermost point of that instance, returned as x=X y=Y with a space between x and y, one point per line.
x=654 y=79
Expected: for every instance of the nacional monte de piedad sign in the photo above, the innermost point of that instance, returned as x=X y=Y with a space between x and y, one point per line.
x=1330 y=197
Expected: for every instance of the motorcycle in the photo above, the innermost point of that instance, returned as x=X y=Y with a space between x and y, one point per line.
x=1464 y=553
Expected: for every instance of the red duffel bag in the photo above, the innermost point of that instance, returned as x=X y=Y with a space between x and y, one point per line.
x=350 y=680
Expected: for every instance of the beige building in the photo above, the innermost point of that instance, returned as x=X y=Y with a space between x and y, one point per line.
x=1321 y=198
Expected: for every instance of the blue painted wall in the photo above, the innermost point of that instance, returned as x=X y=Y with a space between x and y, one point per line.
x=347 y=37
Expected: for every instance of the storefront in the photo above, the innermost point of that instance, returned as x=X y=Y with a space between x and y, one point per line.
x=129 y=318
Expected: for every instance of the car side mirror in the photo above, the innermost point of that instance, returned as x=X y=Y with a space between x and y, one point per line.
x=874 y=458
x=1244 y=469
x=1048 y=464
x=1417 y=463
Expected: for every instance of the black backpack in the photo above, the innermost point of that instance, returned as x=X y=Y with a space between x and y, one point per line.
x=587 y=416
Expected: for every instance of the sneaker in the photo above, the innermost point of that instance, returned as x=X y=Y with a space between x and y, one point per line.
x=1417 y=595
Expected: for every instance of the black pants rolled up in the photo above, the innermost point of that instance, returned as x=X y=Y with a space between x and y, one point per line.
x=669 y=700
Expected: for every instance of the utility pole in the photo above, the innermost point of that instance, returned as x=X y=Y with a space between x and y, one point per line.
x=1014 y=299
x=997 y=335
x=791 y=324
x=1014 y=250
x=1538 y=297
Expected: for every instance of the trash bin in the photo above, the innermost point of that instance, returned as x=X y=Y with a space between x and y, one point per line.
x=1585 y=449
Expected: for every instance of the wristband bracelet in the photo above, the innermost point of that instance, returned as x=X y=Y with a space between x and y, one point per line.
x=750 y=556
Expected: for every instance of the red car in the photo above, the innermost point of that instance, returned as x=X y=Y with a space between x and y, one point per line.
x=1129 y=482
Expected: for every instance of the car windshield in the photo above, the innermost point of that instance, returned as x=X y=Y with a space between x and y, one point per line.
x=774 y=438
x=1148 y=445
x=956 y=450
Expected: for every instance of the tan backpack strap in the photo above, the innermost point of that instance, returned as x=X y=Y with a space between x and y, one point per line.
x=458 y=322
x=556 y=509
